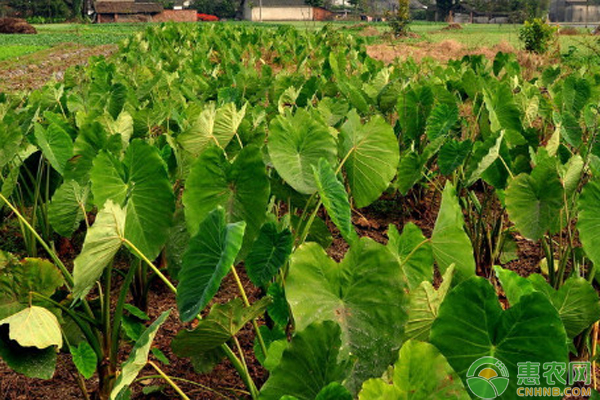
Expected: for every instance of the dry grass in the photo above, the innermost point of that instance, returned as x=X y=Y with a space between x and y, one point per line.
x=450 y=50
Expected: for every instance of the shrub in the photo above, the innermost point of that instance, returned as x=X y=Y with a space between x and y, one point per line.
x=537 y=35
x=400 y=20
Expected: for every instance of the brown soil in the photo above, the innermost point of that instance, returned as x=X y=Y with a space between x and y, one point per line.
x=420 y=207
x=369 y=31
x=16 y=25
x=443 y=51
x=448 y=50
x=223 y=379
x=34 y=70
x=568 y=31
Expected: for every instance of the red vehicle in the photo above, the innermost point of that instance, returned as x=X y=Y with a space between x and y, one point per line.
x=207 y=17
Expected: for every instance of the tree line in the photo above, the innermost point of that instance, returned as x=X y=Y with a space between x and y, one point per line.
x=517 y=10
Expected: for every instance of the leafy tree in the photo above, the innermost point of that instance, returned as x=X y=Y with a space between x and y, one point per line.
x=445 y=6
x=401 y=19
x=220 y=8
x=314 y=3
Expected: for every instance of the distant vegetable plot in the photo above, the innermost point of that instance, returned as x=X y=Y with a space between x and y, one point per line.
x=7 y=52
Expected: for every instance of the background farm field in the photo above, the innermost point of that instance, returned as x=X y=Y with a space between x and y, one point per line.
x=67 y=41
x=297 y=211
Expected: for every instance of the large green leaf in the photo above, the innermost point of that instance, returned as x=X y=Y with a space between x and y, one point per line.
x=310 y=363
x=85 y=359
x=269 y=252
x=442 y=120
x=213 y=126
x=414 y=107
x=11 y=140
x=413 y=252
x=222 y=323
x=334 y=391
x=420 y=373
x=241 y=188
x=101 y=244
x=576 y=92
x=484 y=155
x=335 y=199
x=588 y=223
x=410 y=171
x=141 y=183
x=425 y=302
x=89 y=142
x=208 y=259
x=372 y=156
x=19 y=278
x=471 y=324
x=34 y=327
x=67 y=208
x=56 y=145
x=449 y=241
x=296 y=143
x=503 y=111
x=452 y=155
x=576 y=301
x=29 y=361
x=569 y=128
x=138 y=358
x=534 y=201
x=364 y=294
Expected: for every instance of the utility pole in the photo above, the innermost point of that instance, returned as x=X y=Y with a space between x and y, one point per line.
x=587 y=13
x=260 y=10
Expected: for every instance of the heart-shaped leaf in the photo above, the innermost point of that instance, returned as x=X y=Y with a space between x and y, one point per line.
x=442 y=120
x=56 y=145
x=449 y=241
x=588 y=223
x=372 y=156
x=101 y=244
x=84 y=359
x=296 y=143
x=534 y=201
x=222 y=323
x=34 y=327
x=19 y=278
x=471 y=324
x=208 y=259
x=364 y=294
x=576 y=301
x=424 y=305
x=452 y=155
x=241 y=188
x=141 y=183
x=421 y=372
x=269 y=252
x=212 y=126
x=67 y=208
x=29 y=361
x=413 y=252
x=309 y=364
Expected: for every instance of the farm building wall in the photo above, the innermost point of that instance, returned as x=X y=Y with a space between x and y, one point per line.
x=279 y=13
x=582 y=13
x=164 y=16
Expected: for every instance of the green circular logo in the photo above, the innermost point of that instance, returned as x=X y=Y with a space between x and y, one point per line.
x=487 y=378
